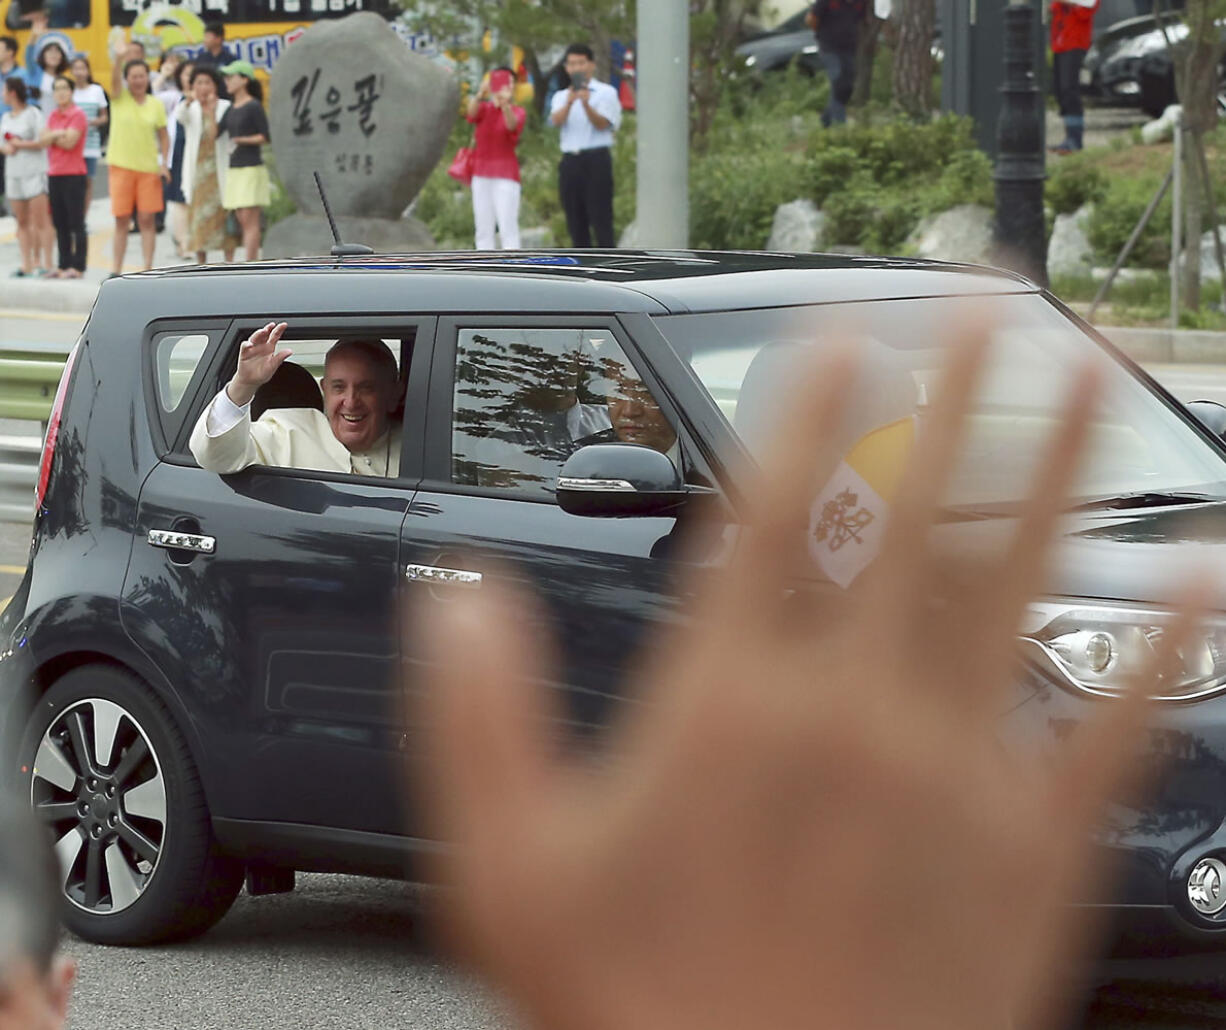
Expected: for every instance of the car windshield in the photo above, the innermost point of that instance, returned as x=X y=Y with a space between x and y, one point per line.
x=746 y=360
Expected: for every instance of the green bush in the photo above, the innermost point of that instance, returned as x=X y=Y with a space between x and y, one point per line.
x=1123 y=202
x=875 y=180
x=1075 y=180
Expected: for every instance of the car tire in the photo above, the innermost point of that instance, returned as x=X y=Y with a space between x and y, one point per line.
x=106 y=768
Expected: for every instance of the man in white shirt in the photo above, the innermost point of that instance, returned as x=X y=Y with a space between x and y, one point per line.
x=354 y=433
x=637 y=418
x=588 y=114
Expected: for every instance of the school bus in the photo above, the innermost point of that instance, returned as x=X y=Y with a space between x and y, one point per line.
x=256 y=30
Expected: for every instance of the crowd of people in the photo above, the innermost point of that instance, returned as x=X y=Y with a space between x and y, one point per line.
x=182 y=145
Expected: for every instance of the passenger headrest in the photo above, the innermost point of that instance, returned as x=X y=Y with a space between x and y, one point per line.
x=291 y=386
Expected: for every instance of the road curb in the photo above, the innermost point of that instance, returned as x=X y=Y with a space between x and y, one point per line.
x=1169 y=346
x=55 y=295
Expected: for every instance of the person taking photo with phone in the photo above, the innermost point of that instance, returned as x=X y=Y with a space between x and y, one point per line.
x=588 y=114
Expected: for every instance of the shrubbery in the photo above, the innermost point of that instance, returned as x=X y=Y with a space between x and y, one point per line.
x=766 y=147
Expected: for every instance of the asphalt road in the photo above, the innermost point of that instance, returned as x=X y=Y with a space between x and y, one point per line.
x=345 y=952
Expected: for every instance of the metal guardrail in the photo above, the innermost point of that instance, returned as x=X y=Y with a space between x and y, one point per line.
x=29 y=377
x=28 y=380
x=18 y=471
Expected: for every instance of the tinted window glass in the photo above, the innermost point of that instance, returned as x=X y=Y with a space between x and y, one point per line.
x=526 y=399
x=747 y=360
x=178 y=357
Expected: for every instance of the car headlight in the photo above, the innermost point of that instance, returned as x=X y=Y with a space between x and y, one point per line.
x=1101 y=648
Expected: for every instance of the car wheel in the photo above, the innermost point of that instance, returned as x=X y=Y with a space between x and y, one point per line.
x=111 y=776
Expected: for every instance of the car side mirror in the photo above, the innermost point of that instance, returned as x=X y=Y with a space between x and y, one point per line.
x=618 y=480
x=1211 y=415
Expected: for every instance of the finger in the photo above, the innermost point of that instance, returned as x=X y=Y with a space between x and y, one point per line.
x=799 y=460
x=924 y=482
x=1014 y=584
x=490 y=763
x=276 y=332
x=259 y=337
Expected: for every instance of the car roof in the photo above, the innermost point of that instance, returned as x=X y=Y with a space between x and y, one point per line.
x=559 y=281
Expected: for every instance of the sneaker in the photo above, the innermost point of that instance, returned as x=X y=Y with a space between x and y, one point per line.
x=18 y=274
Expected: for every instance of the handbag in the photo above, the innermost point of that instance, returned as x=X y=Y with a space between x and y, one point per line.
x=461 y=167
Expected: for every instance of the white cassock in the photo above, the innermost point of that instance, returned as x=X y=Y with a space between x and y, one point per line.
x=225 y=440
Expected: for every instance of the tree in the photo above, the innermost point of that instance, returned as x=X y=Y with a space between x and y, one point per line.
x=914 y=21
x=716 y=26
x=866 y=56
x=534 y=25
x=1196 y=80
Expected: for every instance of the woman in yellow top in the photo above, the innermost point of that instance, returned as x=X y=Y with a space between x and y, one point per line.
x=138 y=154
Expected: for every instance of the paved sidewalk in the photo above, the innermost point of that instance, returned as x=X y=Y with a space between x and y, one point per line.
x=69 y=294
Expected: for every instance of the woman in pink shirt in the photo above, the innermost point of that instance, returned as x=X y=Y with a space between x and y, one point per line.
x=67 y=180
x=499 y=124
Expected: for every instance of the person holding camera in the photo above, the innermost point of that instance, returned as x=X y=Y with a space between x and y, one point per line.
x=498 y=124
x=588 y=114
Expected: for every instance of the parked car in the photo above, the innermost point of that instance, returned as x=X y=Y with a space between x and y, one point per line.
x=1131 y=63
x=1156 y=81
x=791 y=41
x=201 y=675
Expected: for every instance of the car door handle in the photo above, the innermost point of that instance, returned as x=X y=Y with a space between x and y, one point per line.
x=174 y=541
x=437 y=576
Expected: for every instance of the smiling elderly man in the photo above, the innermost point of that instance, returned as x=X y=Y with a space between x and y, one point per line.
x=354 y=433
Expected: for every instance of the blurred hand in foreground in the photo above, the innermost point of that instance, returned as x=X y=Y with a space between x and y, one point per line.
x=812 y=822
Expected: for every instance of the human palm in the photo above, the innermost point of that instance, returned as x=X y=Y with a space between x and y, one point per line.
x=811 y=822
x=258 y=361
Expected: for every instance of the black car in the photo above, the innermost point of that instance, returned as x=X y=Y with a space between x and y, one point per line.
x=790 y=41
x=201 y=675
x=1131 y=64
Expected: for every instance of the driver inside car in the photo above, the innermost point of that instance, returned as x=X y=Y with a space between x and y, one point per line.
x=354 y=433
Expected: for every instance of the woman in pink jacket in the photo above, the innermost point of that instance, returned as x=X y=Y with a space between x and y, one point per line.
x=498 y=125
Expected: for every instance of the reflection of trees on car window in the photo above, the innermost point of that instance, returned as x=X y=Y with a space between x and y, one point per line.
x=523 y=400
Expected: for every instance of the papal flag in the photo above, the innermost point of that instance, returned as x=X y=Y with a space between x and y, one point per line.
x=848 y=518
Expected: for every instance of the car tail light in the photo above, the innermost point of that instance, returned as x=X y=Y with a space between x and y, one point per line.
x=53 y=429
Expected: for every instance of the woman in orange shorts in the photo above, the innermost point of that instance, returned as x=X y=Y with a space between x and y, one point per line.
x=138 y=154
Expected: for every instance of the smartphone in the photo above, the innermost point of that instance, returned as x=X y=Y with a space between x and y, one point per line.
x=578 y=82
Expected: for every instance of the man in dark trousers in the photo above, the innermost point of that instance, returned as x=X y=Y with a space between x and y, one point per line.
x=1072 y=27
x=836 y=24
x=588 y=113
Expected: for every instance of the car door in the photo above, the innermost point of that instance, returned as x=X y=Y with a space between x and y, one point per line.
x=485 y=507
x=274 y=617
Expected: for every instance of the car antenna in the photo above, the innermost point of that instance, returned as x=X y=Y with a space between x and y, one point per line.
x=339 y=249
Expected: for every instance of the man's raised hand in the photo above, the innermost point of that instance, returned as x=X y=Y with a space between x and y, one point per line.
x=258 y=361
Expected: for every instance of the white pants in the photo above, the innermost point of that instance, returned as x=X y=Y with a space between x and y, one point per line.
x=496 y=201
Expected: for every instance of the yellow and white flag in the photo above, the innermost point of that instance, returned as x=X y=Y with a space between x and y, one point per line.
x=847 y=520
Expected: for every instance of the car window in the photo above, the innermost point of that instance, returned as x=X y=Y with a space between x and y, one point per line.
x=526 y=399
x=301 y=381
x=293 y=424
x=747 y=360
x=178 y=357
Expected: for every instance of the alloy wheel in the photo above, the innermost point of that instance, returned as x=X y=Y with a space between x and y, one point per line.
x=98 y=783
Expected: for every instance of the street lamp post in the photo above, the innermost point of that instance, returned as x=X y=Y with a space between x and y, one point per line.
x=662 y=65
x=1021 y=231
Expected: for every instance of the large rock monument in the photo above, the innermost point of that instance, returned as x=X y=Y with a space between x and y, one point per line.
x=349 y=100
